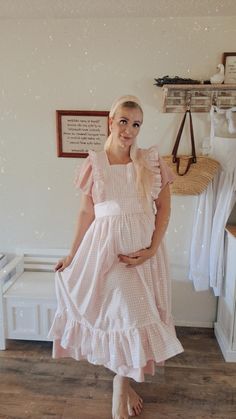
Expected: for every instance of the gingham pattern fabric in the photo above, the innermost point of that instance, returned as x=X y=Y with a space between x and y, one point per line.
x=108 y=313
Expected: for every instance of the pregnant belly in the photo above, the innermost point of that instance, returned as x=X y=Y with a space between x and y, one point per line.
x=124 y=228
x=132 y=232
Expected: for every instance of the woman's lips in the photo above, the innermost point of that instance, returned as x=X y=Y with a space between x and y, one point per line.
x=126 y=138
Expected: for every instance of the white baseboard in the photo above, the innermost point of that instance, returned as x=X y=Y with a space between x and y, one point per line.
x=185 y=323
x=229 y=355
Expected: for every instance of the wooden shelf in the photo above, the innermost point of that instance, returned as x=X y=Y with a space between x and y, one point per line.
x=199 y=97
x=201 y=86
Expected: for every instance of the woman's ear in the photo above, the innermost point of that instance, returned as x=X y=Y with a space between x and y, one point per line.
x=110 y=123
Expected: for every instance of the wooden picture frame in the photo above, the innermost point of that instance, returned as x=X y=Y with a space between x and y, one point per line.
x=229 y=61
x=81 y=131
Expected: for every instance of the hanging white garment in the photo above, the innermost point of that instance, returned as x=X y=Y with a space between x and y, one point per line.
x=223 y=150
x=213 y=208
x=199 y=271
x=231 y=118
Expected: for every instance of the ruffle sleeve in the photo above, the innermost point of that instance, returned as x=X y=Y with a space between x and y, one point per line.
x=167 y=175
x=84 y=177
x=162 y=174
x=151 y=162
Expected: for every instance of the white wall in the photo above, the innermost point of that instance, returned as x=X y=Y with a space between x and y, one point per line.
x=85 y=64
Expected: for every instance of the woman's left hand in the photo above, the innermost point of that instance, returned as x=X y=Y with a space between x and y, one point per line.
x=137 y=258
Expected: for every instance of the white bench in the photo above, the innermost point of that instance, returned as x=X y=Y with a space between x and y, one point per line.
x=27 y=295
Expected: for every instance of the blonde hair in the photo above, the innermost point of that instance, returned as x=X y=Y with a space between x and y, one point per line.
x=143 y=175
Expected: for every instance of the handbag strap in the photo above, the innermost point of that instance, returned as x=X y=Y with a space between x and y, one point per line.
x=193 y=157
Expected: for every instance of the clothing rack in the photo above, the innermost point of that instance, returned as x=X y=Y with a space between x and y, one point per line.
x=198 y=97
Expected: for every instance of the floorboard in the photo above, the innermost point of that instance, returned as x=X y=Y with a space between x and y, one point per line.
x=197 y=384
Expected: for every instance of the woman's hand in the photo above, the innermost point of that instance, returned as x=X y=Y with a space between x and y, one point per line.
x=63 y=263
x=137 y=258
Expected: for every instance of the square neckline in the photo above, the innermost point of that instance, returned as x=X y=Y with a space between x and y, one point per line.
x=115 y=164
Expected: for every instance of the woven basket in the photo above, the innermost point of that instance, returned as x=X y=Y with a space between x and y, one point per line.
x=199 y=175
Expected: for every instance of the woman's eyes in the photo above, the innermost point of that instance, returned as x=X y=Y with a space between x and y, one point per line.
x=124 y=122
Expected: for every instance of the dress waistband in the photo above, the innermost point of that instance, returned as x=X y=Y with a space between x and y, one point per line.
x=114 y=208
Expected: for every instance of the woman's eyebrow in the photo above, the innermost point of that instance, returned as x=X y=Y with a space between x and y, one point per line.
x=127 y=119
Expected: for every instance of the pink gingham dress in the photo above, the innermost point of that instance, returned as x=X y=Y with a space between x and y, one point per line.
x=108 y=313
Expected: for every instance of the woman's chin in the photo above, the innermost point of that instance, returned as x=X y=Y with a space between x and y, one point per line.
x=125 y=144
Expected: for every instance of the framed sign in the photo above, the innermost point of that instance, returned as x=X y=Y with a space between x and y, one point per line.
x=80 y=131
x=229 y=61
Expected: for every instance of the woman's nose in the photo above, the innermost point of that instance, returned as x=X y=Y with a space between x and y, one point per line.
x=127 y=129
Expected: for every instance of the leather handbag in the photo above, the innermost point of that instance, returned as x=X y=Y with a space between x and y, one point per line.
x=193 y=173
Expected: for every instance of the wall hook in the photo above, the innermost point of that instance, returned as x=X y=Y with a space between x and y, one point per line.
x=188 y=101
x=214 y=99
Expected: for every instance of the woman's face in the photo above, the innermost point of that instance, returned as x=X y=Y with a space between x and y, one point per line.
x=125 y=126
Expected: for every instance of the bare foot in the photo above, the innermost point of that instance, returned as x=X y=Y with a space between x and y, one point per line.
x=135 y=402
x=120 y=398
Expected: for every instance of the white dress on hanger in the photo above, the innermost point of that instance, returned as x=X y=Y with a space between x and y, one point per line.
x=213 y=209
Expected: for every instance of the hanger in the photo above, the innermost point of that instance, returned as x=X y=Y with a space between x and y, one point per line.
x=188 y=101
x=214 y=99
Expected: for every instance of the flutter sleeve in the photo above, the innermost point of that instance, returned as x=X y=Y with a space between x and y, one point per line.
x=161 y=173
x=167 y=175
x=84 y=177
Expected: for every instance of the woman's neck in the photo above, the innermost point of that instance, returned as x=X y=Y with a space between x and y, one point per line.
x=118 y=155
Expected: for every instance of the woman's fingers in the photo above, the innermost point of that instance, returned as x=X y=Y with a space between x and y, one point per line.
x=130 y=260
x=58 y=265
x=135 y=258
x=124 y=258
x=135 y=254
x=130 y=256
x=63 y=263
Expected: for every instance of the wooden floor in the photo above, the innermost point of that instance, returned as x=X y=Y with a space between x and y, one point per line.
x=197 y=384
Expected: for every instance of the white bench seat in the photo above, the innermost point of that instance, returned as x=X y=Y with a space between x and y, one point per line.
x=27 y=296
x=33 y=285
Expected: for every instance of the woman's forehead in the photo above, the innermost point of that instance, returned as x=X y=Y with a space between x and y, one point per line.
x=129 y=113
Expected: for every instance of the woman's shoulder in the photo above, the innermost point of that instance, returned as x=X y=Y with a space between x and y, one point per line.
x=150 y=156
x=149 y=152
x=94 y=155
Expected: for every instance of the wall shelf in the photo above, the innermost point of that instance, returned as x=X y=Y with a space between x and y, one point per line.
x=198 y=97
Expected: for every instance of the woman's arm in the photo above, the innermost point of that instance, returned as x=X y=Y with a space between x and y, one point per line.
x=161 y=222
x=162 y=218
x=85 y=219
